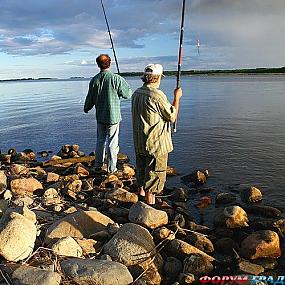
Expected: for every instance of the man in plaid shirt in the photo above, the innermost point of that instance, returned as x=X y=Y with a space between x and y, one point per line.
x=105 y=91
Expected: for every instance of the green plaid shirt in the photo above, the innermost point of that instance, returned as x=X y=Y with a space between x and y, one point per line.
x=105 y=91
x=152 y=114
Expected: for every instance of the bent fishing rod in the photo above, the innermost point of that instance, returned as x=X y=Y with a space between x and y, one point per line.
x=178 y=80
x=111 y=40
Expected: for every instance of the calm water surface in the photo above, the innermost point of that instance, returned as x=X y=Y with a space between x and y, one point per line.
x=232 y=125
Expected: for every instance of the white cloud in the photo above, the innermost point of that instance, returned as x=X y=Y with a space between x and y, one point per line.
x=232 y=33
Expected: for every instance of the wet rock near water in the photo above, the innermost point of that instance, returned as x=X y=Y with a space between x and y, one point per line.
x=197 y=177
x=251 y=194
x=70 y=151
x=69 y=224
x=261 y=244
x=231 y=217
x=225 y=198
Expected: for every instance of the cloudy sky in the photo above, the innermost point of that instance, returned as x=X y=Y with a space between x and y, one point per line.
x=61 y=38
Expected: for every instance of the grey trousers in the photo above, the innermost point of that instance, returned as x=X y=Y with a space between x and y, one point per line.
x=151 y=172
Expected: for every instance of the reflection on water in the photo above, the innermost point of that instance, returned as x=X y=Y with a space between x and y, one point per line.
x=232 y=125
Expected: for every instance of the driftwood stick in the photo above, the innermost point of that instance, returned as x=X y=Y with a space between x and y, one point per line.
x=69 y=160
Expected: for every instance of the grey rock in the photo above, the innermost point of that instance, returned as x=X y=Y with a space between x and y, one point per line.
x=27 y=275
x=133 y=246
x=96 y=272
x=17 y=236
x=147 y=216
x=129 y=241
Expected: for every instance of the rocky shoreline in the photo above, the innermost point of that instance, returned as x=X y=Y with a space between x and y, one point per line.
x=63 y=223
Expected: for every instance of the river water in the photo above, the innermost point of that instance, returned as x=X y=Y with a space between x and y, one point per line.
x=232 y=125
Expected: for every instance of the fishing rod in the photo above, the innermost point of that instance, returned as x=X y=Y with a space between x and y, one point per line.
x=111 y=40
x=178 y=80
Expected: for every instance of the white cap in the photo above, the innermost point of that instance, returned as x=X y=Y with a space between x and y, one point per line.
x=154 y=69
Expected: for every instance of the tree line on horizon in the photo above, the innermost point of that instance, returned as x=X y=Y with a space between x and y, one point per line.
x=260 y=70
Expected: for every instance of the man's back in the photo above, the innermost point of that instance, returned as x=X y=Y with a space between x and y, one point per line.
x=152 y=114
x=105 y=91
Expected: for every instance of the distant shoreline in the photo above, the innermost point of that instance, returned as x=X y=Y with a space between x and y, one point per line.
x=249 y=71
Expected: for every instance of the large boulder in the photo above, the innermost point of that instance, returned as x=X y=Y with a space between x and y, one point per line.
x=143 y=214
x=95 y=272
x=81 y=224
x=133 y=246
x=35 y=276
x=261 y=244
x=17 y=235
x=25 y=185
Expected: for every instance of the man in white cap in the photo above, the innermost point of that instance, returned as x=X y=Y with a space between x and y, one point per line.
x=152 y=116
